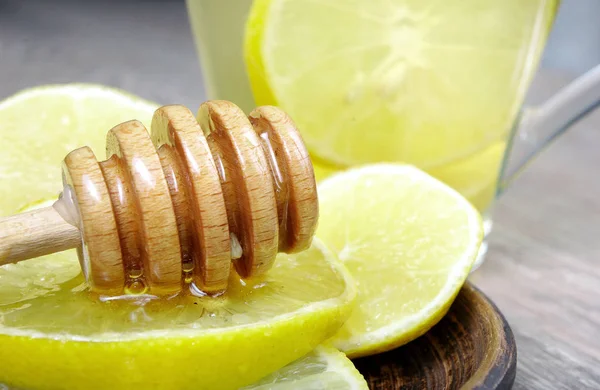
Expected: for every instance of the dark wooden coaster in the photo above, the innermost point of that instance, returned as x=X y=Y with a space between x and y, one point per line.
x=472 y=347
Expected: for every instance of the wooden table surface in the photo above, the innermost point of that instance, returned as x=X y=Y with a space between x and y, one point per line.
x=543 y=265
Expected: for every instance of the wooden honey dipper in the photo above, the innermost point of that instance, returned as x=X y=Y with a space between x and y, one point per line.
x=180 y=205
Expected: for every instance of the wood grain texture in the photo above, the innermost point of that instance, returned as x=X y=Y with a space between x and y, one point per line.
x=246 y=181
x=472 y=347
x=175 y=126
x=293 y=177
x=178 y=189
x=35 y=233
x=123 y=204
x=157 y=227
x=100 y=251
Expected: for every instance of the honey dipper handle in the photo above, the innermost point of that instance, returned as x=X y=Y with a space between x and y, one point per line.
x=35 y=233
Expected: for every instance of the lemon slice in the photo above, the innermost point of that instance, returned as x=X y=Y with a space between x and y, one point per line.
x=408 y=240
x=422 y=82
x=56 y=334
x=323 y=368
x=74 y=340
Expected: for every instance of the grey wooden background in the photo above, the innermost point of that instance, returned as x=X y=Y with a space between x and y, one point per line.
x=543 y=264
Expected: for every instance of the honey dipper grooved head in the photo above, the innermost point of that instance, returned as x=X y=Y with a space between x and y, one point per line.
x=294 y=178
x=176 y=127
x=100 y=257
x=246 y=181
x=155 y=219
x=177 y=206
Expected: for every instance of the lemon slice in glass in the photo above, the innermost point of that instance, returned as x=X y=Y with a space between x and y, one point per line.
x=423 y=82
